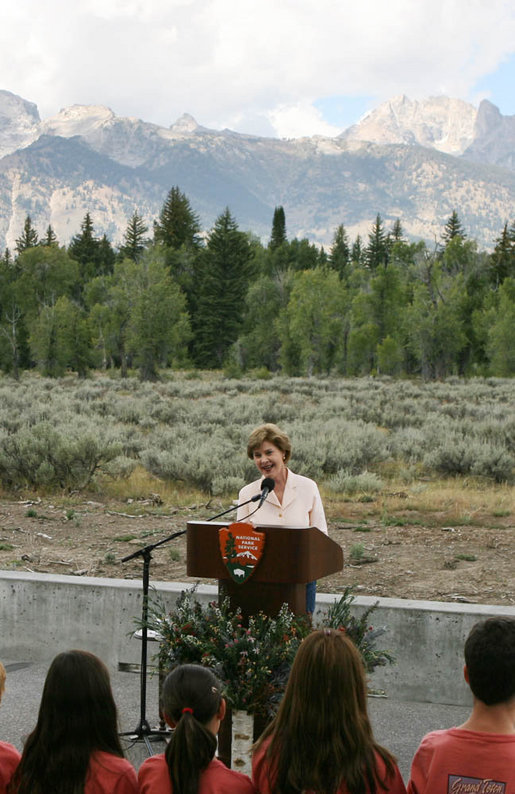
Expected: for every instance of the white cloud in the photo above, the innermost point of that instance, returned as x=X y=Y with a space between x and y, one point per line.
x=249 y=63
x=287 y=120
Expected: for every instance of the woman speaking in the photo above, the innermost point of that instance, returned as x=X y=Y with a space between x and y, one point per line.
x=293 y=500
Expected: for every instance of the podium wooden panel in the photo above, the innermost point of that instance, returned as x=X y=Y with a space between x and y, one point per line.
x=292 y=557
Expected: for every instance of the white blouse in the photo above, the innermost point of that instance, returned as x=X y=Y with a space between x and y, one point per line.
x=301 y=505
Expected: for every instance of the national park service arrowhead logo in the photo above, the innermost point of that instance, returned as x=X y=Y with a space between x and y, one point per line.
x=242 y=548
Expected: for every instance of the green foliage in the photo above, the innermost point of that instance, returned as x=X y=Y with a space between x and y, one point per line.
x=158 y=328
x=346 y=482
x=45 y=273
x=435 y=334
x=28 y=238
x=252 y=661
x=225 y=271
x=238 y=304
x=43 y=456
x=60 y=339
x=340 y=428
x=339 y=257
x=178 y=224
x=278 y=236
x=465 y=456
x=453 y=228
x=376 y=253
x=95 y=257
x=134 y=239
x=502 y=259
x=315 y=318
x=501 y=331
x=363 y=635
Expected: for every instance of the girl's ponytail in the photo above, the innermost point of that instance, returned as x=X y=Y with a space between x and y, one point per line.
x=191 y=698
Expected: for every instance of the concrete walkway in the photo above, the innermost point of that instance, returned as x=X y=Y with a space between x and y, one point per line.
x=398 y=725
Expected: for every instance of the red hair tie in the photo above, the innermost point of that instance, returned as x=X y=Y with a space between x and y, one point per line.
x=187 y=709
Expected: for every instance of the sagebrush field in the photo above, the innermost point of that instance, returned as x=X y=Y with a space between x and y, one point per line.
x=416 y=477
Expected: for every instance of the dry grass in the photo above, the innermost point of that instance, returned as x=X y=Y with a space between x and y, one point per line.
x=141 y=485
x=460 y=501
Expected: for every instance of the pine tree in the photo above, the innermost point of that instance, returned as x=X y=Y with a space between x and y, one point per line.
x=50 y=237
x=339 y=257
x=397 y=233
x=278 y=236
x=225 y=270
x=453 y=228
x=106 y=257
x=7 y=258
x=502 y=258
x=85 y=249
x=357 y=251
x=376 y=252
x=134 y=241
x=28 y=238
x=178 y=224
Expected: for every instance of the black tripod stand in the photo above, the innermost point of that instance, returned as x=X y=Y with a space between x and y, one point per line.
x=143 y=731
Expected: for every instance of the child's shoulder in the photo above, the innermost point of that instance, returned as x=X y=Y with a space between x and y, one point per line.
x=230 y=777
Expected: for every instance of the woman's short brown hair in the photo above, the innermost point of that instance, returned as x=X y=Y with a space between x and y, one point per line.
x=272 y=433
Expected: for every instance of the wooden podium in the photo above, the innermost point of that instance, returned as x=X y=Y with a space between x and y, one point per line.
x=292 y=557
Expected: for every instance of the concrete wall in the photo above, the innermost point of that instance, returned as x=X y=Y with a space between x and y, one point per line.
x=42 y=614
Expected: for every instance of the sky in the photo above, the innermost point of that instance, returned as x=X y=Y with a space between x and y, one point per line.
x=284 y=68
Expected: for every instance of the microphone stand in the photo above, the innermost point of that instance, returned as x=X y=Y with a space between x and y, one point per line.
x=143 y=731
x=235 y=507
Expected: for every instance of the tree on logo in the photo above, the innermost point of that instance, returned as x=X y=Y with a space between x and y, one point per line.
x=230 y=547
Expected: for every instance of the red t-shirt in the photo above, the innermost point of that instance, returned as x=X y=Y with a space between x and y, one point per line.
x=154 y=778
x=260 y=767
x=9 y=759
x=110 y=774
x=458 y=761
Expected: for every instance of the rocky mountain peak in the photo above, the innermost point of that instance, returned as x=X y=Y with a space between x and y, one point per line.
x=16 y=111
x=18 y=122
x=185 y=125
x=494 y=137
x=437 y=122
x=77 y=120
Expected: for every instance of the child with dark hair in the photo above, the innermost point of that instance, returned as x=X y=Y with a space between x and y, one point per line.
x=194 y=707
x=9 y=755
x=75 y=747
x=479 y=756
x=321 y=739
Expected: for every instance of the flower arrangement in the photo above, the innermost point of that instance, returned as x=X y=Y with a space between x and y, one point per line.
x=253 y=661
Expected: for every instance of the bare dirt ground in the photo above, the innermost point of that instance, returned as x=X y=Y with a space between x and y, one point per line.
x=405 y=555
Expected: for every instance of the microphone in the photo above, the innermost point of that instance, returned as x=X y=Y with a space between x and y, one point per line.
x=267 y=485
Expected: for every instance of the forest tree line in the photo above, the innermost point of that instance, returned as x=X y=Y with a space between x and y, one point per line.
x=172 y=297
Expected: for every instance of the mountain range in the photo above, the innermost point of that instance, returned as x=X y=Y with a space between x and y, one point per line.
x=412 y=160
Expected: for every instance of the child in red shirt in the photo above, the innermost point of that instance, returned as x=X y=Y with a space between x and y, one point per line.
x=75 y=745
x=479 y=756
x=321 y=739
x=193 y=705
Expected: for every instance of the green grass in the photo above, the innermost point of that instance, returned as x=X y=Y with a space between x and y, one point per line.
x=357 y=552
